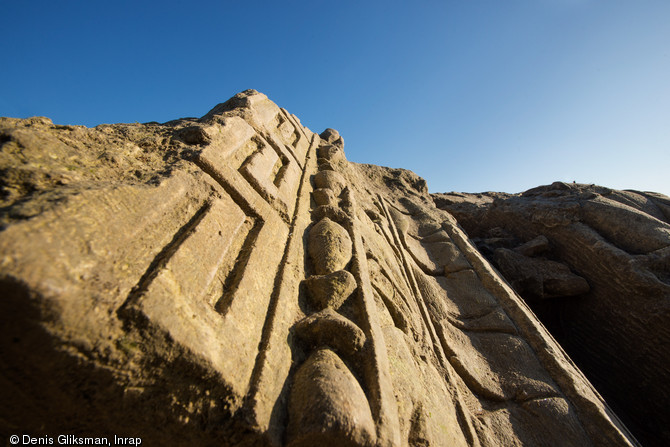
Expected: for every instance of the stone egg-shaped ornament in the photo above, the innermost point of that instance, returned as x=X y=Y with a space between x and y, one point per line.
x=329 y=247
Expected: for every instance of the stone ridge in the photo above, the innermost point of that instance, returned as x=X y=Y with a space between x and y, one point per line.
x=234 y=280
x=594 y=264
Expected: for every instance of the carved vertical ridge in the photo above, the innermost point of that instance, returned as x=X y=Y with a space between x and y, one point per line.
x=258 y=404
x=462 y=413
x=380 y=383
x=319 y=414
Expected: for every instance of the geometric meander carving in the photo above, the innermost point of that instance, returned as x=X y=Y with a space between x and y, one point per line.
x=270 y=292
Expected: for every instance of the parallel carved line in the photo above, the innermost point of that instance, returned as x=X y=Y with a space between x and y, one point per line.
x=162 y=258
x=461 y=413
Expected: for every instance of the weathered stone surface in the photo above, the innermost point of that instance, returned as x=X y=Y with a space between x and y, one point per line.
x=534 y=247
x=537 y=277
x=332 y=212
x=330 y=154
x=328 y=328
x=328 y=405
x=332 y=136
x=325 y=196
x=329 y=246
x=234 y=280
x=330 y=290
x=609 y=250
x=331 y=180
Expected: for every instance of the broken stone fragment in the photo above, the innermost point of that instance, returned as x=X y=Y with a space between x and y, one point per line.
x=538 y=277
x=534 y=247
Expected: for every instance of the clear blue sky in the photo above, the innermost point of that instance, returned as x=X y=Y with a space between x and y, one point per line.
x=472 y=95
